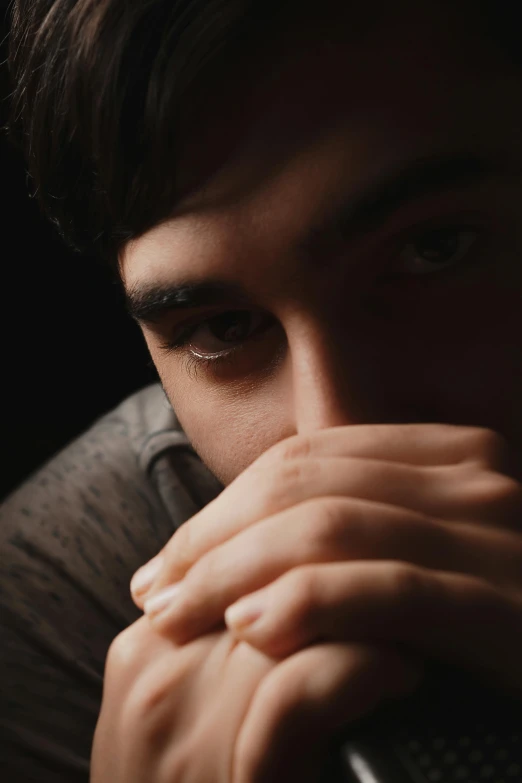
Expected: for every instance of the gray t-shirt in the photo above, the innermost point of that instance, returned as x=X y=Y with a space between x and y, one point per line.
x=70 y=540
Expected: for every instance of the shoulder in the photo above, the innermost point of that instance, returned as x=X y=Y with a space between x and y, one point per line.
x=71 y=537
x=98 y=498
x=101 y=495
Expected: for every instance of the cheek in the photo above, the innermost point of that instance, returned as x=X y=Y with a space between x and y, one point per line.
x=228 y=427
x=464 y=361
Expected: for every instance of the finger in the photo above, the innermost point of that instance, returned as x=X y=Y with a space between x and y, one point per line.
x=305 y=699
x=452 y=617
x=413 y=444
x=449 y=492
x=151 y=711
x=335 y=530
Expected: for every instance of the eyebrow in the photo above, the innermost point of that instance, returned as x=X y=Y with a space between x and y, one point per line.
x=147 y=304
x=361 y=214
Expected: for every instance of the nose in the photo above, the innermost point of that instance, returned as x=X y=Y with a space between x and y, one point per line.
x=328 y=383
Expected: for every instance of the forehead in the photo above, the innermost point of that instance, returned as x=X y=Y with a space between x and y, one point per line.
x=332 y=111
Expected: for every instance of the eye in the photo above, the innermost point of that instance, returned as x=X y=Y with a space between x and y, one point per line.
x=434 y=250
x=223 y=332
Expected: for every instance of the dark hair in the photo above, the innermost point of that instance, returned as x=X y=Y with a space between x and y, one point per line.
x=105 y=90
x=102 y=89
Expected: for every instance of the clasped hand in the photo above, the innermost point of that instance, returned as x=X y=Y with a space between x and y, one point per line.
x=340 y=562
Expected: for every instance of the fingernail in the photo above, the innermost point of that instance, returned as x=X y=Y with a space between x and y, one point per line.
x=156 y=603
x=242 y=614
x=144 y=577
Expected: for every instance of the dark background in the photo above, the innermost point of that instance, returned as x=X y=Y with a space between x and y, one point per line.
x=69 y=352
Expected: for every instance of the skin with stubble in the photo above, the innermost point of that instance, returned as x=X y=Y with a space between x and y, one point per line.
x=343 y=289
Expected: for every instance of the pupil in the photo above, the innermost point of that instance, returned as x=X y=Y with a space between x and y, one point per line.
x=231 y=327
x=438 y=245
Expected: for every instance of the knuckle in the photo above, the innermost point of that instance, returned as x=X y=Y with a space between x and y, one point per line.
x=293 y=448
x=325 y=523
x=145 y=702
x=288 y=483
x=406 y=582
x=300 y=587
x=126 y=649
x=153 y=700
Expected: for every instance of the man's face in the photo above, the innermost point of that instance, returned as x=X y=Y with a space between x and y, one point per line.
x=357 y=259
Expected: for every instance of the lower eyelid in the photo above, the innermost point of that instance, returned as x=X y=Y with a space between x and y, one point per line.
x=192 y=363
x=215 y=361
x=213 y=357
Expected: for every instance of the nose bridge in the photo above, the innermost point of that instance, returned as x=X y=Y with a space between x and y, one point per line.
x=323 y=394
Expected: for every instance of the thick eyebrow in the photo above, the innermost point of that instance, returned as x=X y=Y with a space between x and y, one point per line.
x=147 y=304
x=361 y=214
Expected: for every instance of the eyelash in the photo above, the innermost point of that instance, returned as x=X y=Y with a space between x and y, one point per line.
x=193 y=362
